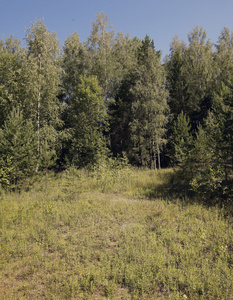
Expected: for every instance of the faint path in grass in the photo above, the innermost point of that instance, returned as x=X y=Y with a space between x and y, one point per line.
x=87 y=237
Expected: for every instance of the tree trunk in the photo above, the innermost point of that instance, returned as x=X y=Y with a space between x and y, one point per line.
x=151 y=157
x=158 y=152
x=38 y=112
x=154 y=154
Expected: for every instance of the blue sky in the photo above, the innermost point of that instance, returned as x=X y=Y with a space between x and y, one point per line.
x=160 y=19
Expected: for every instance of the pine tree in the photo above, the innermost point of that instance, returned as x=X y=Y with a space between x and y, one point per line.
x=17 y=149
x=11 y=60
x=223 y=109
x=223 y=58
x=180 y=140
x=209 y=167
x=201 y=170
x=223 y=112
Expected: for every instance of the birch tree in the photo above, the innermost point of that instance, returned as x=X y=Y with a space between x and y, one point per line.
x=87 y=114
x=42 y=75
x=100 y=60
x=149 y=106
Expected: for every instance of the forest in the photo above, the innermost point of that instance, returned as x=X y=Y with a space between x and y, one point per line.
x=116 y=166
x=112 y=97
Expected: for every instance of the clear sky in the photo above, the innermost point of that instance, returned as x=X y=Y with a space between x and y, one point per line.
x=160 y=19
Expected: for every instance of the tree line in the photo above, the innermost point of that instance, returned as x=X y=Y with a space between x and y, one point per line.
x=113 y=96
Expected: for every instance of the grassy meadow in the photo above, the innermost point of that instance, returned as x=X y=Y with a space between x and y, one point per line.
x=112 y=234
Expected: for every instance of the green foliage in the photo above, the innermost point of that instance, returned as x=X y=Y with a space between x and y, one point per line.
x=224 y=56
x=88 y=119
x=100 y=60
x=17 y=149
x=120 y=112
x=112 y=245
x=191 y=76
x=149 y=107
x=181 y=139
x=200 y=83
x=206 y=175
x=42 y=73
x=223 y=113
x=113 y=93
x=202 y=169
x=73 y=62
x=11 y=65
x=176 y=78
x=124 y=59
x=47 y=156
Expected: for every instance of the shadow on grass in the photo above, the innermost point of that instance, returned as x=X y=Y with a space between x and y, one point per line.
x=170 y=187
x=166 y=187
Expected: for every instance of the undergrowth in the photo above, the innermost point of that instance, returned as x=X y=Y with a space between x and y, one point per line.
x=109 y=234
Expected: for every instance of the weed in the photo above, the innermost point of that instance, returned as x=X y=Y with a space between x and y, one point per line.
x=107 y=239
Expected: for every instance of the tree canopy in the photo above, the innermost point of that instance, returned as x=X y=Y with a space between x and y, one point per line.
x=113 y=95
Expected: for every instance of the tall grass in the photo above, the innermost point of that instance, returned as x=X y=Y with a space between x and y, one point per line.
x=109 y=234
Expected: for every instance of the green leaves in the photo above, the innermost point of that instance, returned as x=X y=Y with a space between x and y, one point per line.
x=149 y=106
x=113 y=93
x=42 y=76
x=191 y=75
x=88 y=118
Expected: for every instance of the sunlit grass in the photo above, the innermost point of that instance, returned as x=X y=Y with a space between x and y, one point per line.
x=111 y=235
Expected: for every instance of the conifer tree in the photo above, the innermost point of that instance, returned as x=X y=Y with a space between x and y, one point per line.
x=17 y=149
x=202 y=169
x=223 y=112
x=11 y=60
x=224 y=57
x=181 y=140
